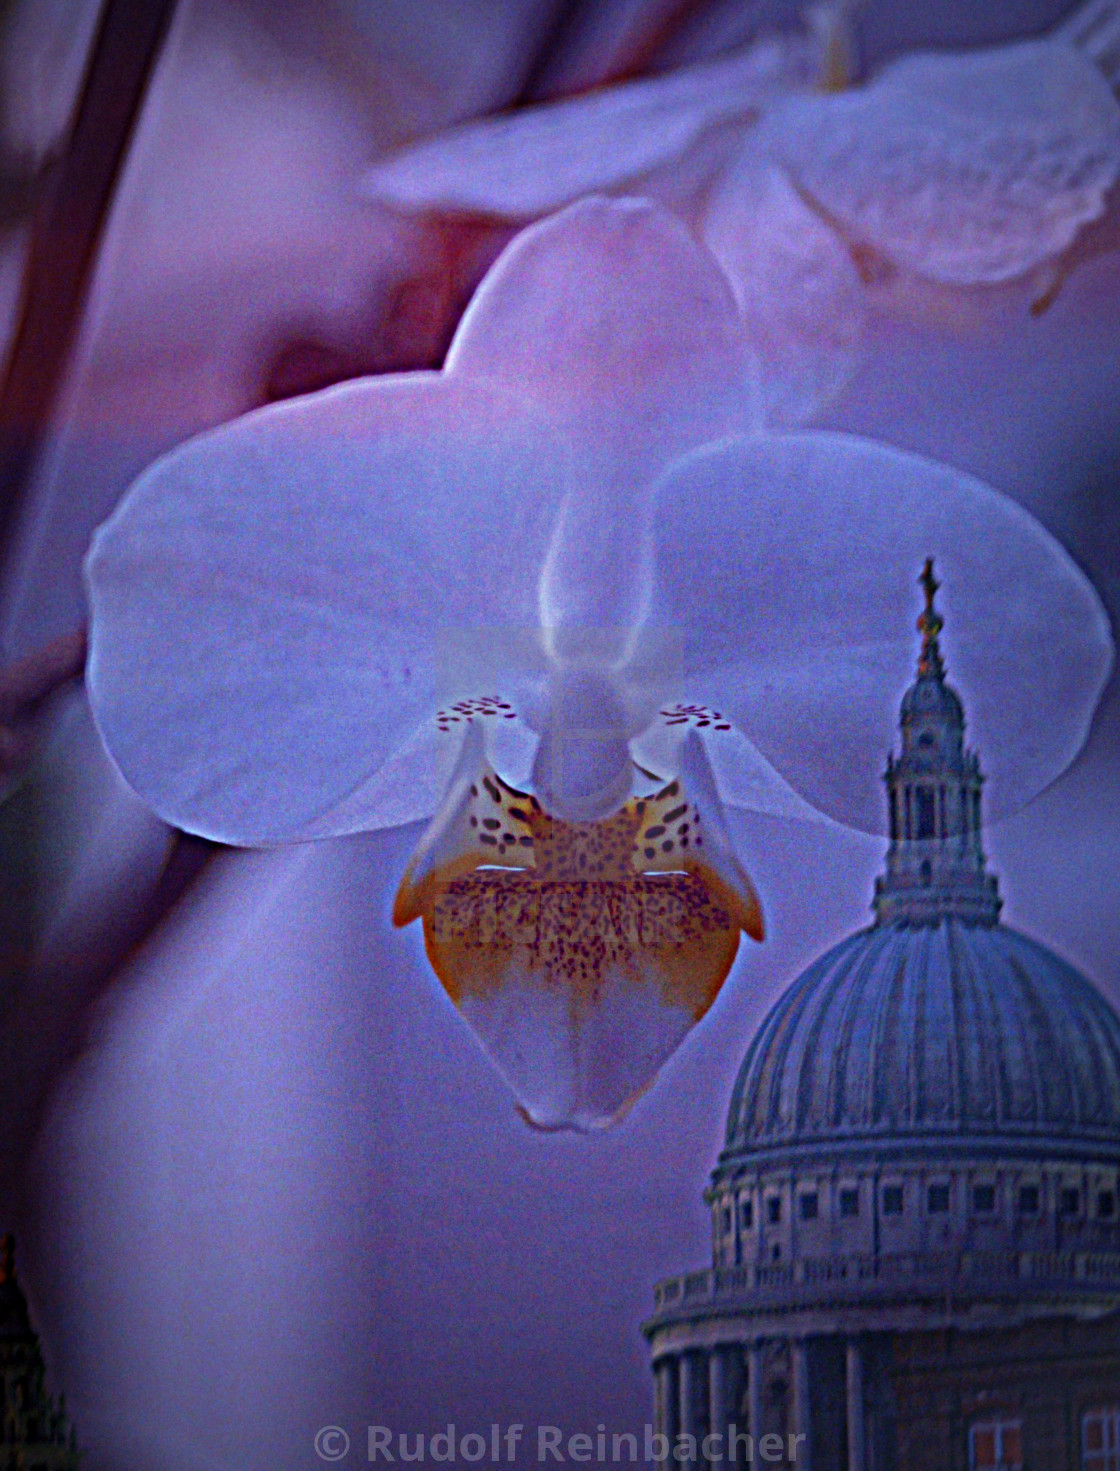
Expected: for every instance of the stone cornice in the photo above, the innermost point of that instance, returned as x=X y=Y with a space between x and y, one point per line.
x=970 y=1289
x=851 y=1152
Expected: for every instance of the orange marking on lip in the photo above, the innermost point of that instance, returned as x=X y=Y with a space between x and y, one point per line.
x=661 y=928
x=632 y=895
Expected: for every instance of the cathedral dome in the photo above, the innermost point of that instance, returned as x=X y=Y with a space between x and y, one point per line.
x=906 y=1032
x=937 y=1023
x=925 y=1131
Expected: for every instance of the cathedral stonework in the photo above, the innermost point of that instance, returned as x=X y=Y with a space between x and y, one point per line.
x=916 y=1210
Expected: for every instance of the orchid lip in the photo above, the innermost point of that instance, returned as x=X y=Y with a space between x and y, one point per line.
x=580 y=952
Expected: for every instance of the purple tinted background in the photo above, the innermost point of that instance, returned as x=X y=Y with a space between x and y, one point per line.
x=281 y=1187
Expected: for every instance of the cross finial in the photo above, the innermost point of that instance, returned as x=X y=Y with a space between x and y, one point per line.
x=930 y=624
x=929 y=583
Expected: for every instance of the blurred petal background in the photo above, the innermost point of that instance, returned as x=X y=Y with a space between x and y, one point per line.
x=262 y=1178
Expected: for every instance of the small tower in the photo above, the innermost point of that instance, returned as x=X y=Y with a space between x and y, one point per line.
x=935 y=865
x=34 y=1432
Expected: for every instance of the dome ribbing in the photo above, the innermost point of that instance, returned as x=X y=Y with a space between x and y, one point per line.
x=925 y=1031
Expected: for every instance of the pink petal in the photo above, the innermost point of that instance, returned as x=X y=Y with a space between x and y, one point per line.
x=539 y=159
x=963 y=168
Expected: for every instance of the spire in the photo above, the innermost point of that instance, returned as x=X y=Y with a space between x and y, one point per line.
x=930 y=624
x=13 y=1305
x=935 y=864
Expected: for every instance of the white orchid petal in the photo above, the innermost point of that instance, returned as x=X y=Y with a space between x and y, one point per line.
x=278 y=605
x=597 y=576
x=581 y=1075
x=743 y=777
x=540 y=158
x=798 y=291
x=961 y=168
x=789 y=564
x=413 y=781
x=99 y=851
x=407 y=787
x=624 y=329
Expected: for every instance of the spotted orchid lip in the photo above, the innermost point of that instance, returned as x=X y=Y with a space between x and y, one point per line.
x=580 y=953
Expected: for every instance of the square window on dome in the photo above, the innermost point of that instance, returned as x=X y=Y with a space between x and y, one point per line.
x=984 y=1199
x=849 y=1203
x=1030 y=1200
x=774 y=1209
x=892 y=1200
x=1106 y=1205
x=938 y=1199
x=1069 y=1201
x=746 y=1215
x=809 y=1206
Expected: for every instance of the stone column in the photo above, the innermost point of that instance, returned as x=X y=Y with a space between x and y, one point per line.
x=857 y=1431
x=663 y=1388
x=687 y=1414
x=717 y=1399
x=802 y=1424
x=754 y=1391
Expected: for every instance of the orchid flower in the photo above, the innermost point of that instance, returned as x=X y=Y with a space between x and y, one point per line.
x=964 y=170
x=555 y=600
